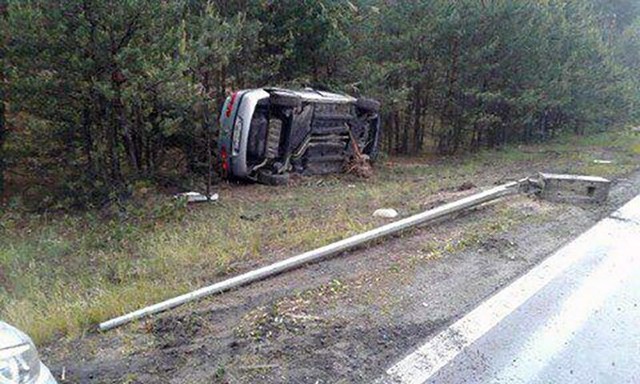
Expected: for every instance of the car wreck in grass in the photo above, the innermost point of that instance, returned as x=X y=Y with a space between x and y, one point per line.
x=268 y=133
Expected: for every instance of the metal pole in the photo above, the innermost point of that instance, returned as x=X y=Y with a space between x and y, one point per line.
x=319 y=253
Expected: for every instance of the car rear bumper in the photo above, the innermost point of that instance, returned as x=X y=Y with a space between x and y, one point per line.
x=243 y=111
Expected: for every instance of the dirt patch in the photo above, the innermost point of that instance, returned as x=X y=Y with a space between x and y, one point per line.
x=499 y=246
x=173 y=331
x=466 y=186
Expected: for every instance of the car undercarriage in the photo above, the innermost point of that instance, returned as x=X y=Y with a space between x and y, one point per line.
x=291 y=133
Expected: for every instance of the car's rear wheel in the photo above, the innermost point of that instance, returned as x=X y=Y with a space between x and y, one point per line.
x=368 y=105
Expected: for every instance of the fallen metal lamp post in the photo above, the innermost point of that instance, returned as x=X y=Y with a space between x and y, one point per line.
x=546 y=181
x=319 y=253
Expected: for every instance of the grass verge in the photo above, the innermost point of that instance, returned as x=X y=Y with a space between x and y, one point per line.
x=61 y=274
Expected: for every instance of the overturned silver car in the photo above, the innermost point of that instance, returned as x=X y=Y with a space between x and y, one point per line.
x=268 y=133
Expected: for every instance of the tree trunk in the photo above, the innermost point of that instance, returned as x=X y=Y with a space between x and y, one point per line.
x=208 y=137
x=417 y=107
x=155 y=144
x=88 y=140
x=3 y=133
x=423 y=108
x=138 y=139
x=395 y=131
x=388 y=132
x=3 y=126
x=206 y=125
x=452 y=135
x=112 y=146
x=123 y=127
x=405 y=138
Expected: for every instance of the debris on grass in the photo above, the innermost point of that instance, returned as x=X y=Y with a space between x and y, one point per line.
x=259 y=367
x=360 y=167
x=253 y=217
x=386 y=213
x=359 y=164
x=265 y=323
x=196 y=197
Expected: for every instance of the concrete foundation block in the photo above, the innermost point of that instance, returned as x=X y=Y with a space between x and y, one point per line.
x=574 y=188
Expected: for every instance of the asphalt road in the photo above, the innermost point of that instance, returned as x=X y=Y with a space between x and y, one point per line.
x=575 y=318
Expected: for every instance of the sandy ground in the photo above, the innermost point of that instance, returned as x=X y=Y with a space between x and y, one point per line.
x=346 y=319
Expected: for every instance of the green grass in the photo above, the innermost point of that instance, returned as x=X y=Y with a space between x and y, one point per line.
x=61 y=274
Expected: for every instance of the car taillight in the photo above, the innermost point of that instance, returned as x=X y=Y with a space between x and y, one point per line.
x=224 y=159
x=230 y=106
x=237 y=136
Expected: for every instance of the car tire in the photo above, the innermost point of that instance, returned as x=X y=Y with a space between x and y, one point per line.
x=281 y=99
x=373 y=149
x=269 y=178
x=368 y=105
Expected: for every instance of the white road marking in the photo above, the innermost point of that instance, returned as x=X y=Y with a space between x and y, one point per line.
x=420 y=365
x=548 y=341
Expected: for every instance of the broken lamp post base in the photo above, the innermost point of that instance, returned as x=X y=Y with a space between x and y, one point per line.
x=570 y=188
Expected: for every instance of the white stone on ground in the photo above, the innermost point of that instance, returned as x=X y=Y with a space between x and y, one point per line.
x=387 y=213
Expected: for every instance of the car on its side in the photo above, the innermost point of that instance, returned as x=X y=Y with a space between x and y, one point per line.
x=19 y=361
x=268 y=133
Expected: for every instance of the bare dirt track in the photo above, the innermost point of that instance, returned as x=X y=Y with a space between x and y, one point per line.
x=345 y=319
